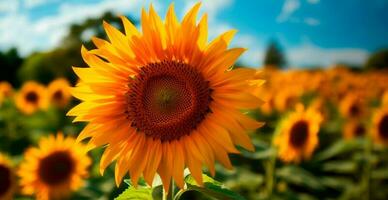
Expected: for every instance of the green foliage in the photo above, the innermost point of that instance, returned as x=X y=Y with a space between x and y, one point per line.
x=10 y=62
x=274 y=56
x=378 y=60
x=141 y=193
x=297 y=175
x=211 y=188
x=338 y=148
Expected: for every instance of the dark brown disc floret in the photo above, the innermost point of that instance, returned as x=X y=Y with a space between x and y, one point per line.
x=383 y=127
x=299 y=134
x=56 y=168
x=168 y=100
x=5 y=180
x=32 y=97
x=58 y=96
x=359 y=130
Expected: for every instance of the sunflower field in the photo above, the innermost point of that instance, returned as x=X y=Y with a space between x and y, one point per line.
x=150 y=113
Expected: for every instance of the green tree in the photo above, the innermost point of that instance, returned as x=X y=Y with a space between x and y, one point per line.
x=378 y=60
x=10 y=62
x=274 y=56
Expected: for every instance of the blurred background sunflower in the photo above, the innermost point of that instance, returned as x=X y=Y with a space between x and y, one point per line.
x=8 y=184
x=54 y=169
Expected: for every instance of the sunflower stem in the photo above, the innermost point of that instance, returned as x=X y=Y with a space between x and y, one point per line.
x=270 y=174
x=169 y=195
x=367 y=168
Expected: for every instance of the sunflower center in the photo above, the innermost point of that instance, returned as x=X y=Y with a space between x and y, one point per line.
x=32 y=97
x=299 y=133
x=5 y=179
x=168 y=100
x=383 y=127
x=56 y=168
x=58 y=96
x=354 y=110
x=359 y=130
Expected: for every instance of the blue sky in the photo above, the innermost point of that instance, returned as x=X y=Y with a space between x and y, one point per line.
x=312 y=32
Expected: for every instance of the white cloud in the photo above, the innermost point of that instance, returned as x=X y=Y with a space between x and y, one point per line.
x=34 y=3
x=9 y=6
x=289 y=7
x=18 y=30
x=309 y=54
x=313 y=1
x=253 y=57
x=212 y=8
x=311 y=21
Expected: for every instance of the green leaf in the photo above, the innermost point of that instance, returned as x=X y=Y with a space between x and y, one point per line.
x=340 y=166
x=132 y=193
x=380 y=173
x=338 y=148
x=335 y=182
x=259 y=155
x=211 y=188
x=299 y=176
x=136 y=194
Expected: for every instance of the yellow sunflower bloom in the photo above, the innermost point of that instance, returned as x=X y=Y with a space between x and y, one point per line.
x=164 y=99
x=380 y=126
x=31 y=97
x=353 y=129
x=352 y=107
x=298 y=136
x=7 y=179
x=59 y=92
x=6 y=91
x=287 y=98
x=54 y=169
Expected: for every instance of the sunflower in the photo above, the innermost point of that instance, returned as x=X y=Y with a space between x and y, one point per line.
x=164 y=99
x=6 y=91
x=59 y=92
x=353 y=129
x=298 y=134
x=287 y=98
x=7 y=179
x=352 y=107
x=31 y=97
x=380 y=126
x=54 y=169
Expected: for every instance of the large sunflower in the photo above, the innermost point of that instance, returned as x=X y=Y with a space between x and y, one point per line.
x=31 y=97
x=54 y=169
x=7 y=179
x=380 y=126
x=298 y=135
x=164 y=99
x=59 y=92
